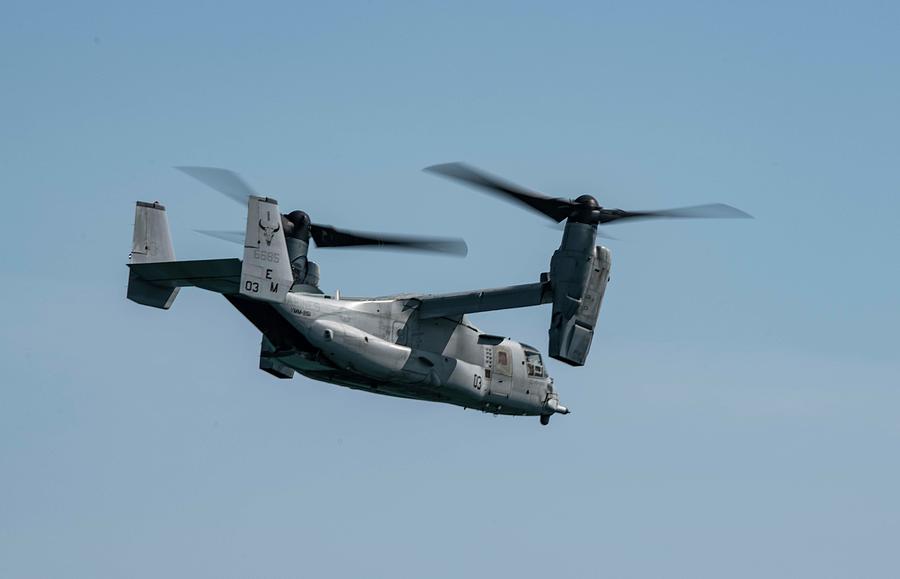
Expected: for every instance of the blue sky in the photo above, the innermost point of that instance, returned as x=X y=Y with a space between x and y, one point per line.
x=738 y=415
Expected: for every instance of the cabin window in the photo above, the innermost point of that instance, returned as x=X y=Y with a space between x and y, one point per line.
x=503 y=362
x=533 y=364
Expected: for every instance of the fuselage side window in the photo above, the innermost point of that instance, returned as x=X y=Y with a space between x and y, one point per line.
x=503 y=362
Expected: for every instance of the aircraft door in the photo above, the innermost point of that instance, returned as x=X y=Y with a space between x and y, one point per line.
x=501 y=370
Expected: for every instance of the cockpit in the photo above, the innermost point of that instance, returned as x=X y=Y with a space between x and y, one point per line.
x=533 y=363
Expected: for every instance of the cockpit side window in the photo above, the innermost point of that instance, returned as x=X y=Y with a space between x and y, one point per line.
x=534 y=364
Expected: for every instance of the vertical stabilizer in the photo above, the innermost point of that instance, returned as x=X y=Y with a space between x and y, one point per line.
x=266 y=273
x=151 y=243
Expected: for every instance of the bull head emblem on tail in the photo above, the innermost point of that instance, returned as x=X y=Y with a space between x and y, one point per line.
x=269 y=230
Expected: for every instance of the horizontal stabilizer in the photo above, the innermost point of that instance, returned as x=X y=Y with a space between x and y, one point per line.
x=216 y=275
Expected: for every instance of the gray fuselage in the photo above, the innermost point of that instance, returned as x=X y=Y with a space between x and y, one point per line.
x=380 y=345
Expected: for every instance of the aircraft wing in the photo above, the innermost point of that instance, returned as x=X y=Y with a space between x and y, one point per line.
x=483 y=300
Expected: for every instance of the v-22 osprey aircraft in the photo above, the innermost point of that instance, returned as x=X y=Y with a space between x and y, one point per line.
x=419 y=346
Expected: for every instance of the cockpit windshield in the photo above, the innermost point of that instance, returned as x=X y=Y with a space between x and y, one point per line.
x=534 y=364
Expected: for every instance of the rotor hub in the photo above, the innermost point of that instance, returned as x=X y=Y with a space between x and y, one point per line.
x=296 y=224
x=585 y=208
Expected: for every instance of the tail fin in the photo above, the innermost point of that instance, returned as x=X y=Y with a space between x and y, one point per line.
x=151 y=243
x=266 y=272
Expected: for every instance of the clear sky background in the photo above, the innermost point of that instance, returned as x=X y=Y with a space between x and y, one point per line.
x=738 y=416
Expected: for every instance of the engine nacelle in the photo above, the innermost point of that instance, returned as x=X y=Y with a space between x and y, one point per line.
x=578 y=275
x=352 y=349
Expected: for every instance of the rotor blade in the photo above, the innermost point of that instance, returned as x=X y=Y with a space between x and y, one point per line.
x=328 y=236
x=232 y=236
x=709 y=211
x=555 y=208
x=226 y=182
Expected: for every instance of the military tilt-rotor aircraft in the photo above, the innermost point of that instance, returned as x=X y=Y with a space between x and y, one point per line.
x=419 y=346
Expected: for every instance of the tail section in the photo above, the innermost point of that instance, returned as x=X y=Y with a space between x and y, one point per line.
x=151 y=243
x=266 y=272
x=155 y=277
